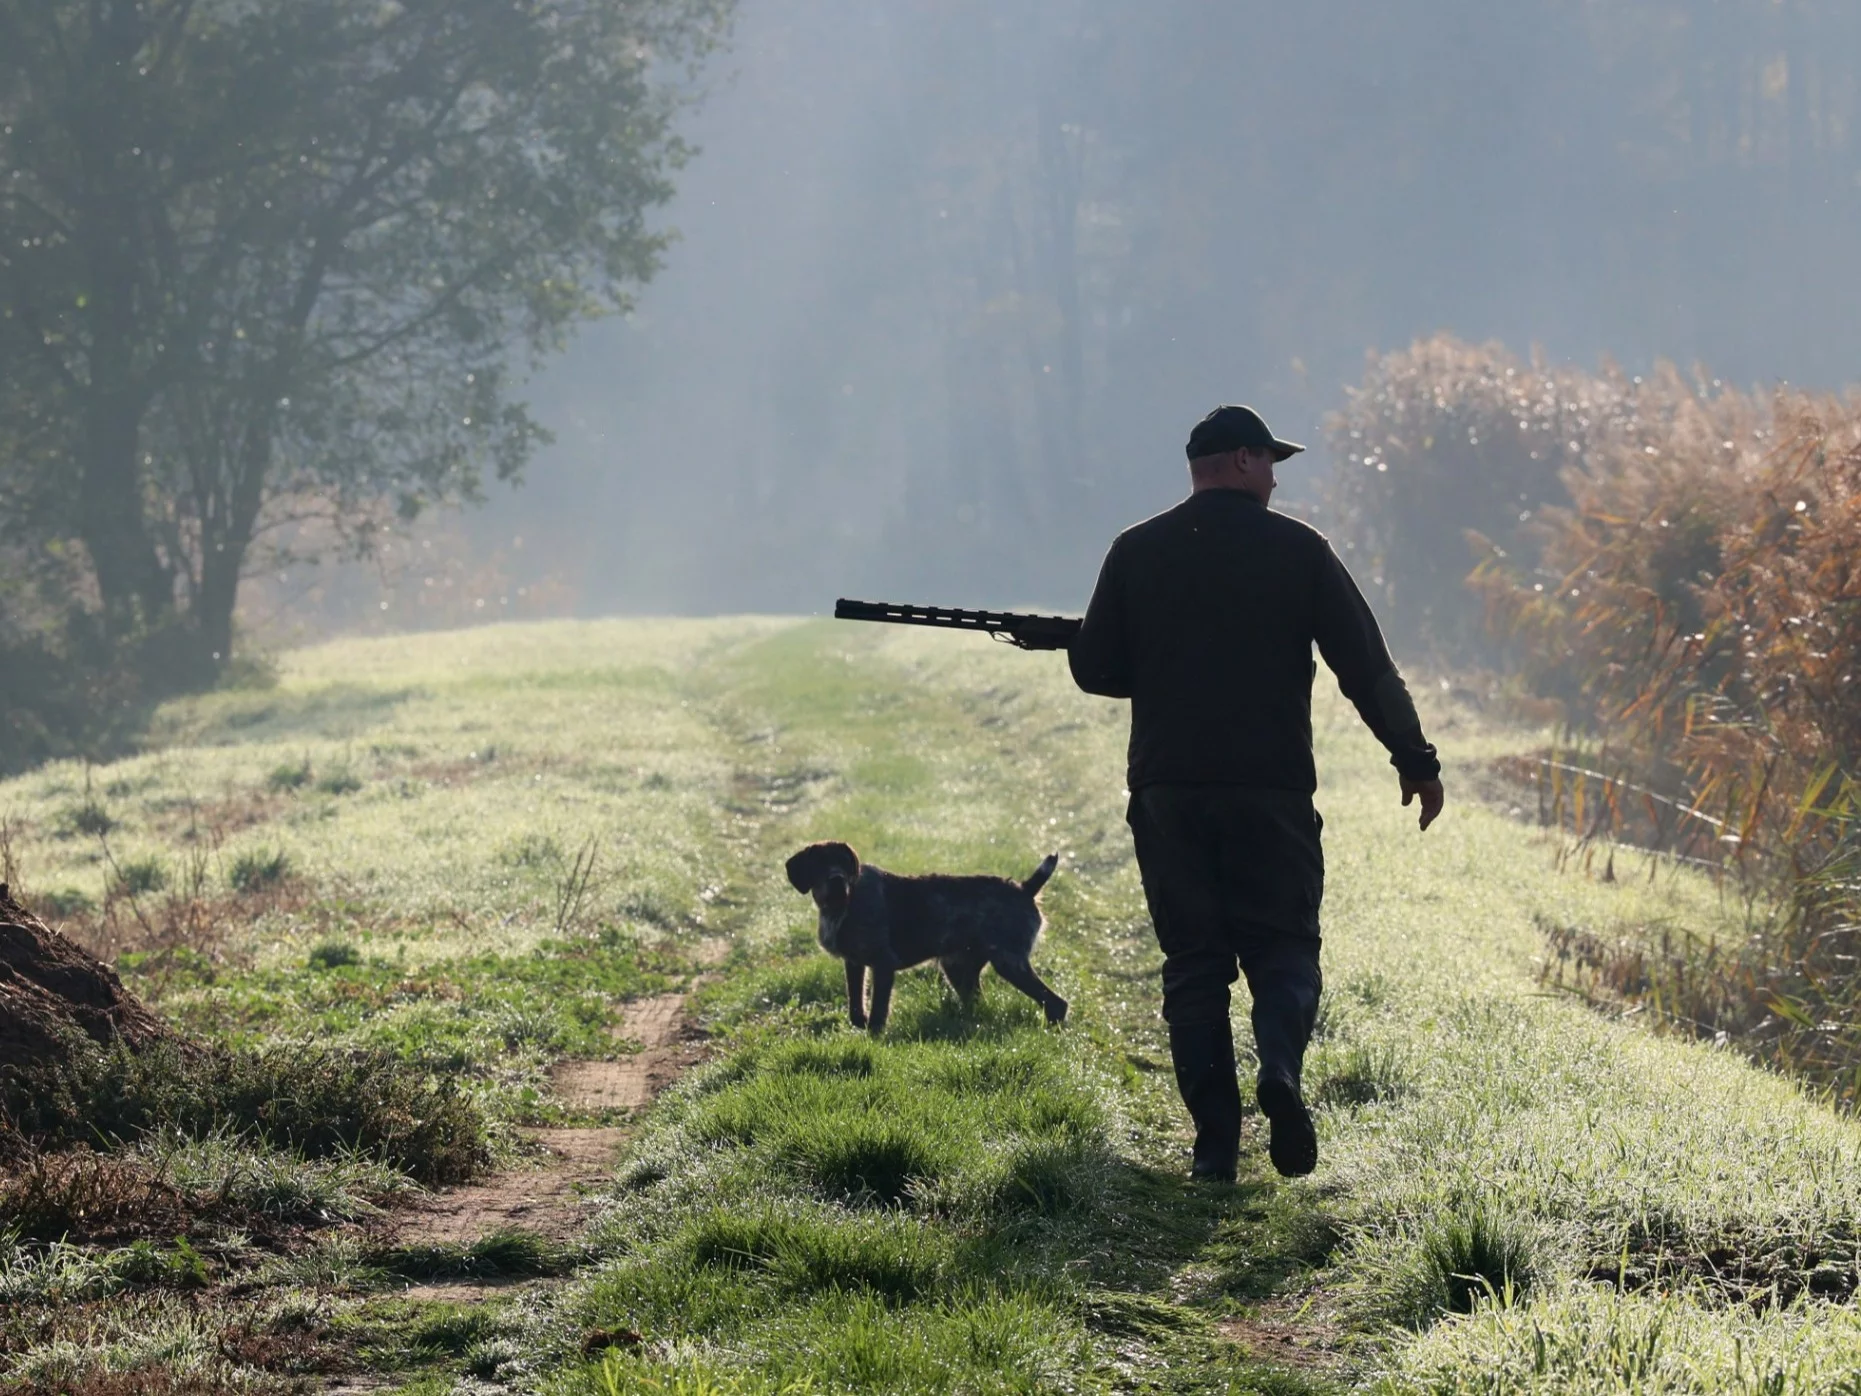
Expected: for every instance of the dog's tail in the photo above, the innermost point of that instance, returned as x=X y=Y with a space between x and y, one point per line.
x=1040 y=875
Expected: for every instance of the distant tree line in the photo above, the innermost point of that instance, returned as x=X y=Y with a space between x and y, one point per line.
x=267 y=260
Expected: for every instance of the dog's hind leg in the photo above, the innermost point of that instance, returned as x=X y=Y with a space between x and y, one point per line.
x=856 y=993
x=965 y=975
x=1020 y=973
x=881 y=998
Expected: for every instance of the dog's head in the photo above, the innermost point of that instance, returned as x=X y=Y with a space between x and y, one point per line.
x=828 y=870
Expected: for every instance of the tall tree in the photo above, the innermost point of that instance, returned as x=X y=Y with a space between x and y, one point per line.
x=274 y=255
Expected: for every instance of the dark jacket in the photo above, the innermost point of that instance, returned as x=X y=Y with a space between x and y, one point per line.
x=1205 y=617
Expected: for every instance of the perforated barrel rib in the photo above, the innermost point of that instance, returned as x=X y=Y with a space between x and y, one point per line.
x=1028 y=631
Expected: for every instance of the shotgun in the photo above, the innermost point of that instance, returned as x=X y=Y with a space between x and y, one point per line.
x=1028 y=632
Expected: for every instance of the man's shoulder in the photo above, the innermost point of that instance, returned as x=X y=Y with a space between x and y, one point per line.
x=1254 y=517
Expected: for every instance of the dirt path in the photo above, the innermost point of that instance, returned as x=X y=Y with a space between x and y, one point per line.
x=1305 y=1332
x=667 y=1051
x=551 y=1198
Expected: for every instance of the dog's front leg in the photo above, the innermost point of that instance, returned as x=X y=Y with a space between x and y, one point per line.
x=1021 y=974
x=856 y=993
x=881 y=996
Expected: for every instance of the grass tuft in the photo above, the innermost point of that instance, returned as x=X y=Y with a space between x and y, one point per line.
x=291 y=775
x=874 y=1162
x=90 y=819
x=510 y=1253
x=1464 y=1257
x=339 y=780
x=140 y=876
x=1046 y=1177
x=333 y=954
x=321 y=1102
x=1358 y=1074
x=259 y=870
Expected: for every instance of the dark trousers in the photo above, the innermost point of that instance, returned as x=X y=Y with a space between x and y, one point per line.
x=1234 y=878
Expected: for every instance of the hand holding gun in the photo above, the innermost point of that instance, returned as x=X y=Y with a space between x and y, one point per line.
x=1025 y=631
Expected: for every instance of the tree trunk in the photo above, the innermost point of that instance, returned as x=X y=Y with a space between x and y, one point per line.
x=137 y=590
x=224 y=548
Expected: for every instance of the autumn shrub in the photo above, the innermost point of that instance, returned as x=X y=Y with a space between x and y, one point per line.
x=1703 y=609
x=1448 y=451
x=1672 y=567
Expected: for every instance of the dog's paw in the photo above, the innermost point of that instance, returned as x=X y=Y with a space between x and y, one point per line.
x=1056 y=1011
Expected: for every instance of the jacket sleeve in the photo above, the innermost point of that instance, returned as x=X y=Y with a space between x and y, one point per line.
x=1100 y=655
x=1352 y=645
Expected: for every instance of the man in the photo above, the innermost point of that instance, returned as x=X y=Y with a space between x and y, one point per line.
x=1205 y=617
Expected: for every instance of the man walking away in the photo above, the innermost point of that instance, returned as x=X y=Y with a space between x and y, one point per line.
x=1205 y=617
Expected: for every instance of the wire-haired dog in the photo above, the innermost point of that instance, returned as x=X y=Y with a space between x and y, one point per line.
x=884 y=922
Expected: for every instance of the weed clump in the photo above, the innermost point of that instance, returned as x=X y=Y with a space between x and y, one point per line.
x=66 y=901
x=90 y=819
x=333 y=954
x=340 y=781
x=49 y=1197
x=140 y=876
x=258 y=870
x=531 y=851
x=292 y=775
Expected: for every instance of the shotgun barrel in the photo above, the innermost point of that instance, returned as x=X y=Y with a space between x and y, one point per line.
x=1027 y=631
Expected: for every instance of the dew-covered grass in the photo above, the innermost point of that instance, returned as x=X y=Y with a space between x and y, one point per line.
x=1515 y=1193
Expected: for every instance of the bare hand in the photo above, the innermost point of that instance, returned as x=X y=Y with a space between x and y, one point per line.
x=1433 y=797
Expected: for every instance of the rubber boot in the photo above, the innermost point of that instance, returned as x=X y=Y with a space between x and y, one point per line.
x=1285 y=1007
x=1203 y=1054
x=1292 y=1143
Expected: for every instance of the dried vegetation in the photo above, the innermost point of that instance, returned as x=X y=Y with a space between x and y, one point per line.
x=1671 y=568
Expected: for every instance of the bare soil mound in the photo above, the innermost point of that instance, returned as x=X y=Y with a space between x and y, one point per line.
x=51 y=990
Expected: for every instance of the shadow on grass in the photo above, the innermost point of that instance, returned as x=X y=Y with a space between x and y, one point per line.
x=229 y=718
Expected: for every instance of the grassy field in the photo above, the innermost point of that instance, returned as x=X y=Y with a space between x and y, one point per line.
x=459 y=856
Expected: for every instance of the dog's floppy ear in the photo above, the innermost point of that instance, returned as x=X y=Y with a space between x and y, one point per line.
x=806 y=867
x=803 y=867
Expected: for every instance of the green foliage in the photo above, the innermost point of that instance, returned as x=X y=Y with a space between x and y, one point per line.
x=65 y=690
x=383 y=373
x=145 y=1263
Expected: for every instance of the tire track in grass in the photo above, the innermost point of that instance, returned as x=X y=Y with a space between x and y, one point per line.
x=554 y=1198
x=734 y=1196
x=551 y=1199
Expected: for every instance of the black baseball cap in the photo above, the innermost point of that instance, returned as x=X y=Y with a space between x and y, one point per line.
x=1230 y=427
